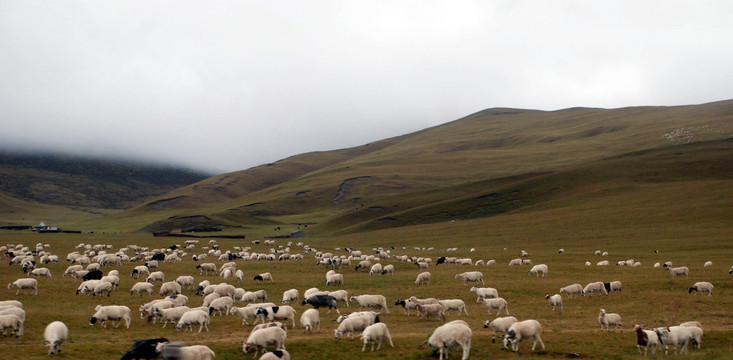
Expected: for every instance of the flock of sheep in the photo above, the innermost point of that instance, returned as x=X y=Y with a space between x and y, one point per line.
x=275 y=318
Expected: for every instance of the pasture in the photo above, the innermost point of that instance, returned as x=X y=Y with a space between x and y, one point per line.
x=650 y=296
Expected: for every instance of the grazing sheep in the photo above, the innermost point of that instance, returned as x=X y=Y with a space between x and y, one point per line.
x=20 y=313
x=317 y=301
x=608 y=319
x=471 y=276
x=701 y=286
x=262 y=338
x=141 y=287
x=647 y=339
x=25 y=284
x=423 y=278
x=350 y=325
x=696 y=333
x=103 y=287
x=41 y=272
x=206 y=268
x=691 y=324
x=10 y=321
x=140 y=269
x=708 y=264
x=193 y=317
x=309 y=319
x=375 y=333
x=429 y=310
x=223 y=303
x=555 y=301
x=172 y=315
x=170 y=288
x=452 y=334
x=155 y=276
x=186 y=281
x=279 y=354
x=376 y=269
x=254 y=296
x=388 y=269
x=55 y=335
x=245 y=312
x=679 y=271
x=602 y=263
x=594 y=287
x=496 y=303
x=111 y=313
x=523 y=330
x=112 y=279
x=290 y=295
x=364 y=264
x=515 y=262
x=407 y=305
x=485 y=293
x=272 y=313
x=675 y=336
x=538 y=269
x=612 y=286
x=499 y=325
x=340 y=295
x=334 y=279
x=371 y=301
x=261 y=278
x=454 y=304
x=571 y=289
x=179 y=352
x=239 y=275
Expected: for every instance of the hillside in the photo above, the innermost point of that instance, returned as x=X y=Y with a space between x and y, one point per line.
x=72 y=182
x=457 y=170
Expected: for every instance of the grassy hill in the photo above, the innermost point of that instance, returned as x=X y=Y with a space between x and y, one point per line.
x=495 y=161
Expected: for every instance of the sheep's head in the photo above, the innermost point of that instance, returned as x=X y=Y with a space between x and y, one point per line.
x=338 y=334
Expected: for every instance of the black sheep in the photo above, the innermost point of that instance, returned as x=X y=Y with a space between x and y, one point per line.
x=144 y=349
x=322 y=300
x=93 y=275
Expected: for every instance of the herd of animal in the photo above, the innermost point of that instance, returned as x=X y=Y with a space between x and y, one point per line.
x=221 y=299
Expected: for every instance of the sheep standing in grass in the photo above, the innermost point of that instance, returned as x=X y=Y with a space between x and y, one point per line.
x=41 y=272
x=679 y=271
x=675 y=336
x=696 y=335
x=245 y=312
x=453 y=334
x=555 y=301
x=290 y=295
x=55 y=335
x=485 y=293
x=646 y=338
x=608 y=319
x=371 y=301
x=193 y=317
x=186 y=281
x=570 y=290
x=223 y=303
x=538 y=269
x=429 y=310
x=178 y=352
x=272 y=313
x=10 y=321
x=25 y=284
x=350 y=325
x=702 y=286
x=310 y=319
x=262 y=338
x=264 y=277
x=111 y=313
x=172 y=315
x=471 y=276
x=19 y=312
x=454 y=304
x=141 y=287
x=279 y=354
x=423 y=278
x=499 y=325
x=376 y=333
x=594 y=287
x=523 y=330
x=497 y=303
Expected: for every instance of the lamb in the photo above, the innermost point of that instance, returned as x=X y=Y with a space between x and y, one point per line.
x=193 y=317
x=192 y=352
x=141 y=287
x=555 y=301
x=334 y=279
x=55 y=335
x=25 y=284
x=485 y=293
x=471 y=276
x=290 y=295
x=608 y=319
x=429 y=310
x=272 y=313
x=594 y=287
x=263 y=338
x=675 y=336
x=523 y=330
x=376 y=269
x=452 y=334
x=701 y=286
x=350 y=325
x=375 y=332
x=454 y=304
x=679 y=271
x=538 y=269
x=309 y=319
x=497 y=303
x=388 y=269
x=423 y=278
x=223 y=303
x=499 y=325
x=647 y=339
x=170 y=288
x=41 y=272
x=171 y=314
x=572 y=289
x=186 y=281
x=279 y=354
x=10 y=321
x=111 y=313
x=371 y=301
x=263 y=277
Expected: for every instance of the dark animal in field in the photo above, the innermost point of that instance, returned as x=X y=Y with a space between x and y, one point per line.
x=158 y=256
x=93 y=275
x=143 y=349
x=321 y=300
x=441 y=260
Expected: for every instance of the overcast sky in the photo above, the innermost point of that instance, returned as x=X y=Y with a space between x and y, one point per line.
x=226 y=85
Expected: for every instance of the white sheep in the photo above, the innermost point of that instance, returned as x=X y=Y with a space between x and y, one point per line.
x=708 y=264
x=245 y=312
x=428 y=310
x=679 y=271
x=290 y=295
x=371 y=301
x=193 y=317
x=102 y=287
x=111 y=313
x=452 y=334
x=423 y=278
x=499 y=325
x=696 y=333
x=375 y=333
x=702 y=286
x=496 y=303
x=55 y=335
x=310 y=319
x=264 y=277
x=471 y=276
x=10 y=321
x=334 y=279
x=19 y=312
x=340 y=295
x=262 y=338
x=179 y=352
x=279 y=354
x=454 y=304
x=571 y=290
x=155 y=276
x=608 y=319
x=141 y=287
x=172 y=315
x=388 y=269
x=272 y=313
x=523 y=330
x=675 y=336
x=350 y=325
x=206 y=268
x=597 y=286
x=613 y=286
x=376 y=269
x=186 y=281
x=14 y=303
x=254 y=296
x=603 y=263
x=555 y=301
x=170 y=288
x=223 y=303
x=485 y=293
x=647 y=339
x=209 y=298
x=41 y=272
x=25 y=284
x=112 y=279
x=515 y=262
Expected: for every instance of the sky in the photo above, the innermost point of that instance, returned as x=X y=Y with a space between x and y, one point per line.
x=221 y=86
